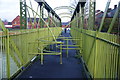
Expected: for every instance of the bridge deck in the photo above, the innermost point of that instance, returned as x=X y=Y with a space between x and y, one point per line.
x=71 y=67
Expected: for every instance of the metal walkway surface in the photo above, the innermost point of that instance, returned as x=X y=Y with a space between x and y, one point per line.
x=70 y=68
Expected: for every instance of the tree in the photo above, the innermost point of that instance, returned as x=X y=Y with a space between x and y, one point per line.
x=5 y=21
x=73 y=3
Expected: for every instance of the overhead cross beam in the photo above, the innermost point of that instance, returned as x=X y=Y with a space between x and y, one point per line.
x=65 y=16
x=64 y=7
x=65 y=13
x=48 y=8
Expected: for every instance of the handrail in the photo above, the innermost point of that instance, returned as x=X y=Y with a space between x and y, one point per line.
x=99 y=38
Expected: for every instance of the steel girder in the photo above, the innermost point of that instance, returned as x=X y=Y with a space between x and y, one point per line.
x=64 y=7
x=65 y=16
x=23 y=14
x=91 y=15
x=65 y=13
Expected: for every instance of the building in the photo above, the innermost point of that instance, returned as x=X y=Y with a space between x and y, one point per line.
x=107 y=22
x=7 y=24
x=16 y=23
x=31 y=22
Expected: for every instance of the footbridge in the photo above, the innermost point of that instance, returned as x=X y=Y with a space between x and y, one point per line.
x=41 y=49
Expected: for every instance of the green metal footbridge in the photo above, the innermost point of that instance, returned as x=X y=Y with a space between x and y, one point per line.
x=44 y=50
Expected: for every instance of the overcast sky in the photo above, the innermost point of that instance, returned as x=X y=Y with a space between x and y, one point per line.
x=9 y=9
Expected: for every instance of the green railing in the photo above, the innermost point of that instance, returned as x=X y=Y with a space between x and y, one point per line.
x=99 y=50
x=20 y=48
x=16 y=47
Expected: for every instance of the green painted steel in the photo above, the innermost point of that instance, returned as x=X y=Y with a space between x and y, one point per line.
x=101 y=58
x=65 y=17
x=64 y=7
x=100 y=51
x=18 y=47
x=105 y=13
x=16 y=44
x=91 y=18
x=65 y=13
x=114 y=18
x=23 y=14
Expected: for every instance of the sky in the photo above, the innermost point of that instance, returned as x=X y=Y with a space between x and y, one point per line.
x=9 y=9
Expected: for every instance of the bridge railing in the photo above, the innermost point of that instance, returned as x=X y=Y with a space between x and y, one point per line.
x=100 y=50
x=19 y=47
x=15 y=45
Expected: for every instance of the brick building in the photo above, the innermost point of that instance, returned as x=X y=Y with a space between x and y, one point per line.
x=31 y=22
x=16 y=22
x=107 y=22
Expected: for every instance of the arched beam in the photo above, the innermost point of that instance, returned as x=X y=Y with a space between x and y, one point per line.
x=65 y=17
x=65 y=13
x=64 y=7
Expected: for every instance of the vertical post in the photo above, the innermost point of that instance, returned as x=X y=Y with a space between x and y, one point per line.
x=67 y=48
x=114 y=19
x=118 y=67
x=41 y=55
x=48 y=28
x=48 y=23
x=118 y=62
x=42 y=15
x=23 y=14
x=55 y=21
x=53 y=26
x=52 y=20
x=61 y=54
x=49 y=18
x=77 y=19
x=8 y=54
x=105 y=13
x=82 y=25
x=91 y=19
x=1 y=43
x=81 y=17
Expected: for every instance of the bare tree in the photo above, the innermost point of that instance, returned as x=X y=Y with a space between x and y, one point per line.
x=5 y=21
x=73 y=3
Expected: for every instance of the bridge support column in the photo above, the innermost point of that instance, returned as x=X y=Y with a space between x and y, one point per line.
x=42 y=15
x=91 y=18
x=49 y=18
x=53 y=19
x=78 y=18
x=81 y=16
x=23 y=14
